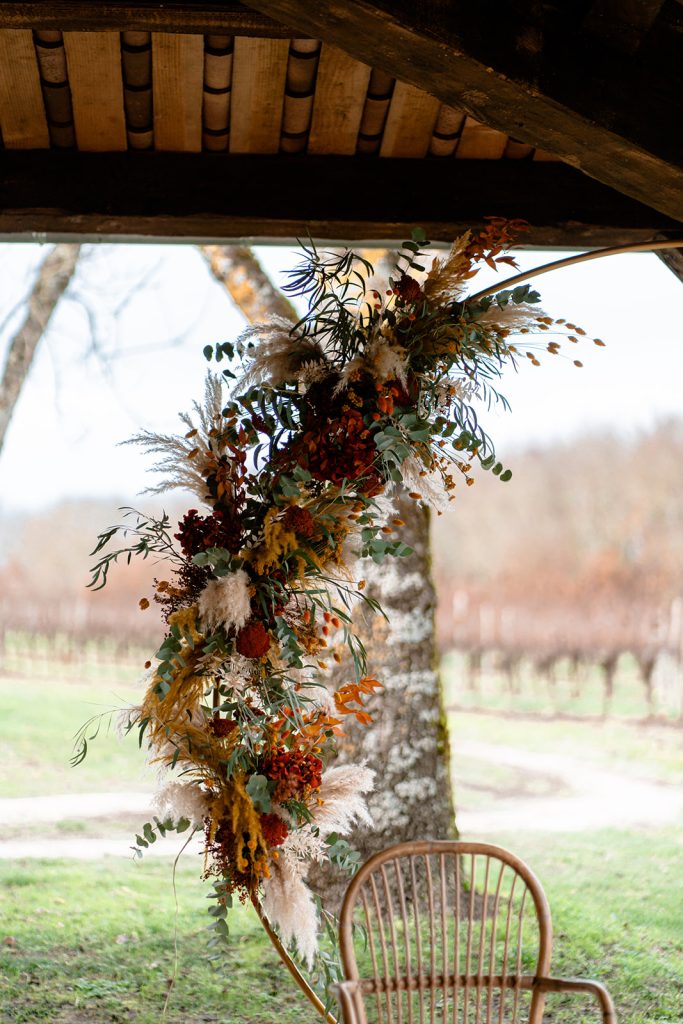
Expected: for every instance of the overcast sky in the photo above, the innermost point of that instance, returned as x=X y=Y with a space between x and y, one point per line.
x=125 y=351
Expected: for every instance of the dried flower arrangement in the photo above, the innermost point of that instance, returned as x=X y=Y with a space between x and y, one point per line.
x=293 y=469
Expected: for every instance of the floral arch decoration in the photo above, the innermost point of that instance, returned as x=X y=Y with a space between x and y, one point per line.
x=293 y=456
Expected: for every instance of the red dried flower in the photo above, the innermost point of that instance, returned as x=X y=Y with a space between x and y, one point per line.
x=299 y=520
x=219 y=530
x=342 y=448
x=409 y=289
x=274 y=829
x=294 y=773
x=253 y=640
x=222 y=726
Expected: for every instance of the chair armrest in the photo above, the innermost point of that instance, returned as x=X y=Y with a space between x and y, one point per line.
x=346 y=993
x=609 y=1014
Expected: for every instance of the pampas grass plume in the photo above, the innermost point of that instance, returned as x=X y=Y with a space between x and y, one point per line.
x=226 y=601
x=289 y=905
x=342 y=798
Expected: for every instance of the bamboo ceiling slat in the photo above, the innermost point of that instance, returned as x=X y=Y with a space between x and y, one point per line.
x=338 y=105
x=258 y=88
x=54 y=82
x=380 y=89
x=22 y=113
x=94 y=65
x=302 y=68
x=410 y=122
x=515 y=150
x=447 y=130
x=136 y=59
x=218 y=54
x=479 y=142
x=177 y=76
x=302 y=65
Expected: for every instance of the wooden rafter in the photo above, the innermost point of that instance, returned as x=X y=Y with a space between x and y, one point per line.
x=559 y=92
x=151 y=194
x=176 y=16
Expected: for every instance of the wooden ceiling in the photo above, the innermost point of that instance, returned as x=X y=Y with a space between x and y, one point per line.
x=131 y=90
x=215 y=120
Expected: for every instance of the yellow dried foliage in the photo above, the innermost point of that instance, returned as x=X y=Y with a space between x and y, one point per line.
x=234 y=806
x=185 y=619
x=278 y=542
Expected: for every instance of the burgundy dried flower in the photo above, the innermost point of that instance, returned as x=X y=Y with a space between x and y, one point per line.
x=299 y=520
x=253 y=640
x=409 y=289
x=218 y=530
x=222 y=726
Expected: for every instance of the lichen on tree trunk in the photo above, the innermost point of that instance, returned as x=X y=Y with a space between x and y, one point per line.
x=407 y=743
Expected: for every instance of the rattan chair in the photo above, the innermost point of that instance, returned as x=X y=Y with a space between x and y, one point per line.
x=449 y=933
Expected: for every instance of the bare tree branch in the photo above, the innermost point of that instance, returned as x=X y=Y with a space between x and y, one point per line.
x=239 y=271
x=53 y=279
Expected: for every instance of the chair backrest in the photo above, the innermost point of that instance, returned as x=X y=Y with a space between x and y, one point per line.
x=446 y=932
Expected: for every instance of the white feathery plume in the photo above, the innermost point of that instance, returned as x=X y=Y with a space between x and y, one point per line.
x=387 y=361
x=301 y=848
x=289 y=905
x=356 y=365
x=430 y=486
x=341 y=796
x=225 y=601
x=147 y=675
x=320 y=695
x=180 y=470
x=312 y=371
x=178 y=800
x=279 y=355
x=381 y=359
x=446 y=278
x=512 y=317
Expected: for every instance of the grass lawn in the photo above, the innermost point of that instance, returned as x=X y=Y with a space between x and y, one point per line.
x=92 y=942
x=565 y=693
x=649 y=751
x=617 y=904
x=38 y=722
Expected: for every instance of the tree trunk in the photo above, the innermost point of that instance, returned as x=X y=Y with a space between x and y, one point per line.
x=239 y=271
x=53 y=279
x=407 y=743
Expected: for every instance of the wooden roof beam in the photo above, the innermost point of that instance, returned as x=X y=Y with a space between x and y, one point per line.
x=176 y=16
x=191 y=196
x=545 y=84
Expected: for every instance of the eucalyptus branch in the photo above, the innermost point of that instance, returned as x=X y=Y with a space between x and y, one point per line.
x=154 y=538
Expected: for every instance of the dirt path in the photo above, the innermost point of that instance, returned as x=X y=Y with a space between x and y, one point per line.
x=24 y=814
x=588 y=797
x=582 y=797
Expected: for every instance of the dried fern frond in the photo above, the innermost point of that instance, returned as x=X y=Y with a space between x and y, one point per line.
x=448 y=278
x=185 y=459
